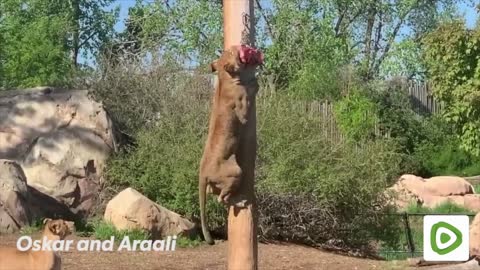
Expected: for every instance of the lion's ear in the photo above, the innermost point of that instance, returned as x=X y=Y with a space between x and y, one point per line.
x=214 y=66
x=46 y=220
x=54 y=227
x=229 y=68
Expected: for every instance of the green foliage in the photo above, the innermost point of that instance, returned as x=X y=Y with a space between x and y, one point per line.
x=306 y=47
x=346 y=182
x=185 y=242
x=34 y=51
x=397 y=117
x=39 y=38
x=183 y=30
x=403 y=60
x=169 y=121
x=304 y=54
x=443 y=156
x=104 y=231
x=452 y=54
x=35 y=226
x=443 y=208
x=356 y=116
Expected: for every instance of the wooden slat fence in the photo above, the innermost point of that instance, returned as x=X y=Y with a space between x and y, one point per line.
x=422 y=102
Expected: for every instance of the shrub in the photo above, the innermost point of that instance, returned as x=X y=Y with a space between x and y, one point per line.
x=168 y=114
x=138 y=100
x=104 y=231
x=312 y=190
x=185 y=242
x=443 y=208
x=35 y=226
x=440 y=153
x=356 y=116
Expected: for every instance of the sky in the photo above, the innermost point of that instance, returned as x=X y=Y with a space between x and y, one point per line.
x=467 y=9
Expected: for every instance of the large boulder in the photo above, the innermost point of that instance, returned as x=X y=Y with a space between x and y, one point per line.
x=62 y=140
x=475 y=236
x=448 y=186
x=472 y=201
x=131 y=210
x=412 y=184
x=407 y=190
x=434 y=191
x=14 y=210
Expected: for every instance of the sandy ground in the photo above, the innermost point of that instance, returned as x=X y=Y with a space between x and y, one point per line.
x=204 y=257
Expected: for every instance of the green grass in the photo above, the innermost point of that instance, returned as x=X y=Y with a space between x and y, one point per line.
x=477 y=188
x=185 y=242
x=104 y=230
x=34 y=227
x=443 y=208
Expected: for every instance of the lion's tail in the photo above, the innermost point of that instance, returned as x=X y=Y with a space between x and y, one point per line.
x=202 y=193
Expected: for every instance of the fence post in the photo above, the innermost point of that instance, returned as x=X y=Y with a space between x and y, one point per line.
x=408 y=234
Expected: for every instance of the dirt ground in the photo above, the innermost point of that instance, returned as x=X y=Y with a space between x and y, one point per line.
x=204 y=257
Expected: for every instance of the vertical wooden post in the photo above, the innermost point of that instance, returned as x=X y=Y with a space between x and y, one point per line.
x=238 y=23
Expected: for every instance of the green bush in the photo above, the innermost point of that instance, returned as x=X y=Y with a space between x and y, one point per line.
x=186 y=242
x=443 y=208
x=104 y=231
x=35 y=226
x=164 y=161
x=441 y=154
x=356 y=116
x=334 y=190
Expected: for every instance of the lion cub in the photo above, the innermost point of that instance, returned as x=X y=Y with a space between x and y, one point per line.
x=11 y=258
x=219 y=170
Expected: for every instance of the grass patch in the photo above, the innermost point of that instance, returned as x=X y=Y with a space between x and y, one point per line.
x=443 y=208
x=186 y=242
x=86 y=228
x=477 y=188
x=104 y=231
x=36 y=226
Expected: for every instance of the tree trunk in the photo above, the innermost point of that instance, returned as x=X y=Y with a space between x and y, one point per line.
x=76 y=31
x=368 y=40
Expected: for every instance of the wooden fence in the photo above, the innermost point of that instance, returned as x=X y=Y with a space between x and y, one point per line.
x=422 y=102
x=422 y=99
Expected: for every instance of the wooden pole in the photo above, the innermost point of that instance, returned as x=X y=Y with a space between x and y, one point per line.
x=238 y=25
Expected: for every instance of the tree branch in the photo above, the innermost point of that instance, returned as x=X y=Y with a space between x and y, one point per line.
x=339 y=22
x=348 y=23
x=390 y=41
x=262 y=12
x=378 y=37
x=167 y=4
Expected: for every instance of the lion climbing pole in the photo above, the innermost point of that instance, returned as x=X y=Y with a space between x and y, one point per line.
x=238 y=28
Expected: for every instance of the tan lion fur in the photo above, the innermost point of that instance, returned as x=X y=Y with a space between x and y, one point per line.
x=12 y=258
x=219 y=169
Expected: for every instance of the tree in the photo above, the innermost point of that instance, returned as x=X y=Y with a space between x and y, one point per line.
x=187 y=31
x=41 y=39
x=377 y=27
x=381 y=37
x=34 y=50
x=452 y=54
x=306 y=42
x=92 y=25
